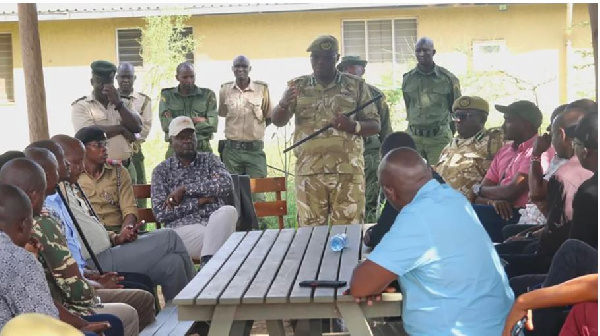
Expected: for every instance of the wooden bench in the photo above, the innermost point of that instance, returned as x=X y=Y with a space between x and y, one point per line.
x=166 y=323
x=276 y=208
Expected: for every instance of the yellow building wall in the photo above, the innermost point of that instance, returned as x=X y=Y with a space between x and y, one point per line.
x=276 y=44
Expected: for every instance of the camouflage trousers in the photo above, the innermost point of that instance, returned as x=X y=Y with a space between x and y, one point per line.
x=372 y=185
x=430 y=148
x=337 y=198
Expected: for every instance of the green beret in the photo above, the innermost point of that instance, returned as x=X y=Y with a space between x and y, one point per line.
x=89 y=134
x=324 y=43
x=471 y=103
x=350 y=60
x=524 y=109
x=103 y=68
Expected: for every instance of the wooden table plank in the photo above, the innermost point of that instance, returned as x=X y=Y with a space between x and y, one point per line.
x=262 y=282
x=213 y=290
x=169 y=311
x=330 y=266
x=350 y=257
x=310 y=265
x=189 y=293
x=354 y=318
x=281 y=287
x=243 y=278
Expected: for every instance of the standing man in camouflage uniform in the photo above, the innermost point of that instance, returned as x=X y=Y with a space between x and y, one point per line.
x=142 y=104
x=354 y=65
x=330 y=180
x=466 y=159
x=106 y=109
x=246 y=106
x=187 y=99
x=429 y=92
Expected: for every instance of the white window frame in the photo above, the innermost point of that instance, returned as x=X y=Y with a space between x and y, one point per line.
x=367 y=32
x=139 y=28
x=12 y=69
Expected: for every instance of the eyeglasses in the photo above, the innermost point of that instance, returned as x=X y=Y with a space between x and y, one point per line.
x=97 y=144
x=459 y=116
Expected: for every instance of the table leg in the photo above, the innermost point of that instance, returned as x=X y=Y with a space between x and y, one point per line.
x=308 y=328
x=275 y=328
x=354 y=318
x=240 y=328
x=222 y=320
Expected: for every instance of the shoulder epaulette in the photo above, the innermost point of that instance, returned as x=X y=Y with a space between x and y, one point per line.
x=226 y=83
x=373 y=88
x=448 y=73
x=144 y=95
x=166 y=89
x=261 y=83
x=78 y=100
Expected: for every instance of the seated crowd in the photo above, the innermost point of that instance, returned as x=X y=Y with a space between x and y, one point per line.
x=457 y=256
x=506 y=218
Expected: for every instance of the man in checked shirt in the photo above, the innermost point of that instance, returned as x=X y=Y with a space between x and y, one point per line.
x=188 y=191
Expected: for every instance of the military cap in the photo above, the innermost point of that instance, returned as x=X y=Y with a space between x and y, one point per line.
x=90 y=133
x=324 y=43
x=179 y=124
x=586 y=130
x=350 y=60
x=471 y=103
x=524 y=109
x=103 y=68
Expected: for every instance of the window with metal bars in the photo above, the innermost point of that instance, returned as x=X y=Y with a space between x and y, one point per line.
x=7 y=91
x=129 y=48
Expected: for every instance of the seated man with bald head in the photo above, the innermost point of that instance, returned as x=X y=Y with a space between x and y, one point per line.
x=24 y=288
x=437 y=250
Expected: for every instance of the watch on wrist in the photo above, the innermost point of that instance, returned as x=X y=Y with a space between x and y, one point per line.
x=357 y=128
x=476 y=188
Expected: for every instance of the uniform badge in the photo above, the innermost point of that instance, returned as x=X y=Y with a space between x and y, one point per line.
x=464 y=102
x=326 y=45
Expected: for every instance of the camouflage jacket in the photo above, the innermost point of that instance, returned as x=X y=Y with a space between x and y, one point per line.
x=201 y=102
x=429 y=97
x=373 y=142
x=332 y=151
x=464 y=162
x=66 y=283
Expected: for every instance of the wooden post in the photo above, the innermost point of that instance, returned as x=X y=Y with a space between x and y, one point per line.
x=593 y=10
x=32 y=70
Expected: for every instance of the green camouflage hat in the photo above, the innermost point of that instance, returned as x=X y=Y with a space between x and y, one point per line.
x=103 y=68
x=350 y=60
x=524 y=109
x=324 y=43
x=471 y=103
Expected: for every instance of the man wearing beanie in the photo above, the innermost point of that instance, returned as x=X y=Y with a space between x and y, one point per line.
x=504 y=190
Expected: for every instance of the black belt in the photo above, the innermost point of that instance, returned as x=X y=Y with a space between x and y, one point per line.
x=425 y=132
x=244 y=145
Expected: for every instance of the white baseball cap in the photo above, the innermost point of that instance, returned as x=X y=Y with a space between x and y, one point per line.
x=179 y=124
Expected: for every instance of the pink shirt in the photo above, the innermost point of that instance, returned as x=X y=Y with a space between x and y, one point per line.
x=509 y=162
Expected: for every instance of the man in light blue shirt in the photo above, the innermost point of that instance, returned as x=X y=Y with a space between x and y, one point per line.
x=449 y=273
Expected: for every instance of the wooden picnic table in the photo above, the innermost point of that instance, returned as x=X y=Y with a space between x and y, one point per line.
x=255 y=276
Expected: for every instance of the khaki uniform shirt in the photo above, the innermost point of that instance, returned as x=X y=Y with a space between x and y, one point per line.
x=429 y=97
x=87 y=111
x=111 y=195
x=464 y=162
x=245 y=111
x=142 y=104
x=99 y=239
x=332 y=151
